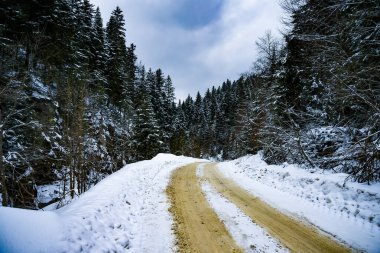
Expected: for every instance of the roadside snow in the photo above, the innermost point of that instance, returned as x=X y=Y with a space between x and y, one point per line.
x=127 y=210
x=247 y=234
x=350 y=211
x=29 y=231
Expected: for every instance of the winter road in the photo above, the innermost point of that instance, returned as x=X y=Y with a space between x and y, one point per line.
x=198 y=228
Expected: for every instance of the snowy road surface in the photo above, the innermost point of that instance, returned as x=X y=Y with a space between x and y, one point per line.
x=128 y=211
x=197 y=227
x=347 y=210
x=294 y=235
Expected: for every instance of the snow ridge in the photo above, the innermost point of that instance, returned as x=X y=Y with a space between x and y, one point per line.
x=127 y=210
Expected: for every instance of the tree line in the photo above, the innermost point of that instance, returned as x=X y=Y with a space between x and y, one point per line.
x=312 y=96
x=76 y=105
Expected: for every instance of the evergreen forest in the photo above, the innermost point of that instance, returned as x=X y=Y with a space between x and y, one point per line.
x=76 y=104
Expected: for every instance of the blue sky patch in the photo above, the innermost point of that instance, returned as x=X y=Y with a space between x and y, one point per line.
x=192 y=14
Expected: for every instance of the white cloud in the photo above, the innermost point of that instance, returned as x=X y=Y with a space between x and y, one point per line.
x=196 y=59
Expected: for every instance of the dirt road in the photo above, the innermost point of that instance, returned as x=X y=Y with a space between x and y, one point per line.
x=198 y=228
x=295 y=235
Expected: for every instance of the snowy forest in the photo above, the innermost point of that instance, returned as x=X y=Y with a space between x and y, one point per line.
x=76 y=104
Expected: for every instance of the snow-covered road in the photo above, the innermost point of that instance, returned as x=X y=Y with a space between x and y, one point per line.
x=128 y=211
x=346 y=210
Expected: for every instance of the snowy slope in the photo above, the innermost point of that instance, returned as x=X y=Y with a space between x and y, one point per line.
x=126 y=210
x=349 y=211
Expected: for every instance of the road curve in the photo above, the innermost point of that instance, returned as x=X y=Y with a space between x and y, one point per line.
x=295 y=235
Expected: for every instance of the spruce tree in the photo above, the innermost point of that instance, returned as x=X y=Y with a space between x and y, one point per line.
x=129 y=88
x=117 y=53
x=99 y=40
x=147 y=134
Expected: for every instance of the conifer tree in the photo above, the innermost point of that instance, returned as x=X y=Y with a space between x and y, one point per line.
x=129 y=88
x=99 y=50
x=117 y=53
x=179 y=137
x=168 y=110
x=147 y=133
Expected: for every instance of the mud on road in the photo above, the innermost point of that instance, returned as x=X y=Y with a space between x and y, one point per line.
x=293 y=234
x=196 y=225
x=199 y=230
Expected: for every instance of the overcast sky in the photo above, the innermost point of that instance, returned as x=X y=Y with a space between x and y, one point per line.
x=199 y=43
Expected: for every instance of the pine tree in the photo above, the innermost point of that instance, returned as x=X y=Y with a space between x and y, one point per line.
x=117 y=53
x=87 y=32
x=158 y=95
x=179 y=138
x=99 y=49
x=168 y=110
x=147 y=133
x=129 y=88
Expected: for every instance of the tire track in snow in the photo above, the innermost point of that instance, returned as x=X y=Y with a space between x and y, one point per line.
x=196 y=225
x=249 y=235
x=295 y=235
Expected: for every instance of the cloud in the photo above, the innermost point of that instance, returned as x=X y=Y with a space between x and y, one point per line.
x=203 y=53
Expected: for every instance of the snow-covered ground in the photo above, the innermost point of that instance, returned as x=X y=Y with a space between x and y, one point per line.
x=128 y=209
x=347 y=210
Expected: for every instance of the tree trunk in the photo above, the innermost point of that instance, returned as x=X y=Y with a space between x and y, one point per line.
x=2 y=167
x=72 y=171
x=303 y=151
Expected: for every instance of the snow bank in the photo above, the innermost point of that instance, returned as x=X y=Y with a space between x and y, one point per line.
x=29 y=231
x=127 y=210
x=349 y=211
